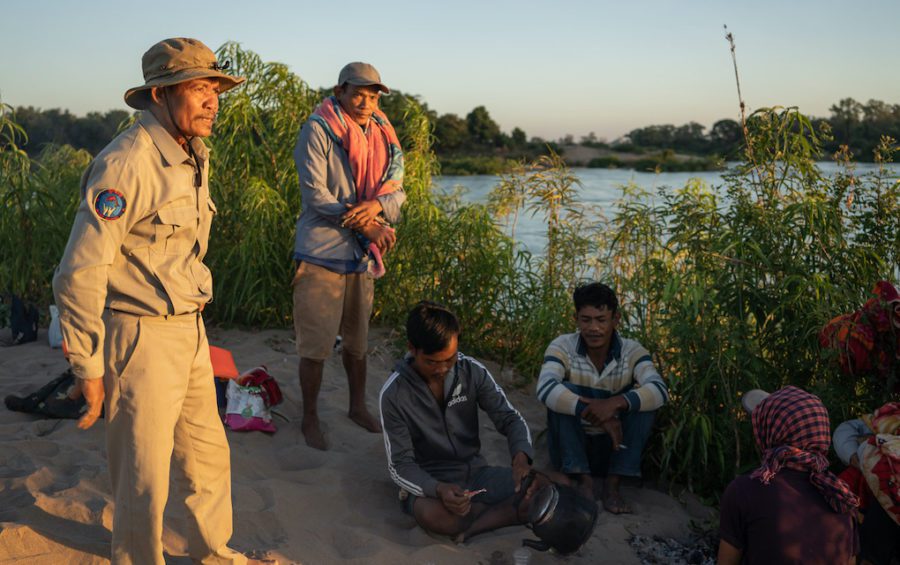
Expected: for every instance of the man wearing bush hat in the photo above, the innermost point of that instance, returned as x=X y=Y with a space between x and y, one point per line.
x=130 y=288
x=350 y=168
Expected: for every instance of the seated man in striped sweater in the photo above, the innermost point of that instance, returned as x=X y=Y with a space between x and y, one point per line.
x=602 y=393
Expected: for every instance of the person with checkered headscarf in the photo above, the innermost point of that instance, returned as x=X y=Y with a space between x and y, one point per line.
x=790 y=509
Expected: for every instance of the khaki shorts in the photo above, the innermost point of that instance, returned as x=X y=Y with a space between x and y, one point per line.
x=328 y=304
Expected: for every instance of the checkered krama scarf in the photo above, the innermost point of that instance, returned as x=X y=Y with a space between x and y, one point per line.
x=792 y=430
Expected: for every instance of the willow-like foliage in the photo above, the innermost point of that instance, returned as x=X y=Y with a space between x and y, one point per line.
x=730 y=286
x=38 y=199
x=727 y=285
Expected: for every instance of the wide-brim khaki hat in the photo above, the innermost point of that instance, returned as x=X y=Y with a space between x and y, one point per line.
x=752 y=398
x=176 y=60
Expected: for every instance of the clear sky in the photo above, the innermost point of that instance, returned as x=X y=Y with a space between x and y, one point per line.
x=551 y=68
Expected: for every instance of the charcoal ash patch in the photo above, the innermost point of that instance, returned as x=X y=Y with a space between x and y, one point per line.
x=700 y=549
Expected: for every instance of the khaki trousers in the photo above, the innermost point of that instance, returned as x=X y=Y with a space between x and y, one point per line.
x=160 y=413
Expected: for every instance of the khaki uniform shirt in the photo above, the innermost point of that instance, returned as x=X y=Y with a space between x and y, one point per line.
x=141 y=254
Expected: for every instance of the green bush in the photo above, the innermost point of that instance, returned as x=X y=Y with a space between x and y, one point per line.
x=727 y=285
x=475 y=165
x=610 y=162
x=730 y=285
x=38 y=198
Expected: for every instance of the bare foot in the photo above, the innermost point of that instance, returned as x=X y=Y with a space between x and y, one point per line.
x=365 y=420
x=612 y=498
x=585 y=485
x=614 y=503
x=313 y=433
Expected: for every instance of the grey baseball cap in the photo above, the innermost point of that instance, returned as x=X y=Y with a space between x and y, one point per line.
x=361 y=74
x=752 y=398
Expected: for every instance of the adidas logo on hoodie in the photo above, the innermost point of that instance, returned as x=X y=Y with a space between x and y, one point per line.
x=456 y=397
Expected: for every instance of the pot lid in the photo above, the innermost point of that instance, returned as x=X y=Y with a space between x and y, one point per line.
x=543 y=504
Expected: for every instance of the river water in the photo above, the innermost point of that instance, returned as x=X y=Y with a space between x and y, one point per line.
x=601 y=187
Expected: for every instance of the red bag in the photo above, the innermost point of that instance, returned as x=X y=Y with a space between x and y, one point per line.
x=269 y=389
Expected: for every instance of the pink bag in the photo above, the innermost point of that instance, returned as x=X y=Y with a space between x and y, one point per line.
x=248 y=408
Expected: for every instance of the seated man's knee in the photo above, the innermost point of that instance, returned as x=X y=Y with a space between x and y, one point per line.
x=431 y=515
x=638 y=424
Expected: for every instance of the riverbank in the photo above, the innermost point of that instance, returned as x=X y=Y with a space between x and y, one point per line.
x=649 y=161
x=584 y=156
x=291 y=502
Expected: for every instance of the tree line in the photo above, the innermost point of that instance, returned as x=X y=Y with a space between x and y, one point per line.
x=59 y=127
x=476 y=143
x=859 y=126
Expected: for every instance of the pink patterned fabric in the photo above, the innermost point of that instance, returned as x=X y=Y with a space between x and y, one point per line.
x=880 y=460
x=370 y=156
x=376 y=160
x=868 y=340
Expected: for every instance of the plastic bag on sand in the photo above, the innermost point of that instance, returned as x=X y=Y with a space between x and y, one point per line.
x=248 y=407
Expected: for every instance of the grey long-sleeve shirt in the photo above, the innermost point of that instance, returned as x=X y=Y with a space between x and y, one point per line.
x=427 y=442
x=326 y=186
x=846 y=439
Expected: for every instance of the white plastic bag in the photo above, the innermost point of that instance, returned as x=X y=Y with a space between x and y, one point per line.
x=246 y=410
x=54 y=334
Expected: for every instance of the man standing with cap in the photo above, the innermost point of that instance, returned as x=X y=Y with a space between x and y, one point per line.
x=350 y=168
x=130 y=288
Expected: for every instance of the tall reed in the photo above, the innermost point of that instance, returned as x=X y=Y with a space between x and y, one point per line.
x=38 y=199
x=727 y=285
x=730 y=285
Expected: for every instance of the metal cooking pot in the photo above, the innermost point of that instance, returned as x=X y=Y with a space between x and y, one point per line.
x=560 y=517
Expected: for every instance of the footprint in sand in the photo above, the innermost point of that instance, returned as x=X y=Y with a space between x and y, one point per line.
x=15 y=464
x=40 y=481
x=43 y=428
x=301 y=458
x=350 y=544
x=12 y=502
x=40 y=447
x=252 y=498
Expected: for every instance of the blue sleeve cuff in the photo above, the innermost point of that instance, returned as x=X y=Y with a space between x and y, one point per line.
x=580 y=407
x=633 y=400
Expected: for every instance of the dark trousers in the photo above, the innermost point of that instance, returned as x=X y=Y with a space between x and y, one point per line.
x=574 y=451
x=879 y=536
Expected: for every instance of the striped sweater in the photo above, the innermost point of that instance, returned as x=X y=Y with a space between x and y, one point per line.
x=629 y=372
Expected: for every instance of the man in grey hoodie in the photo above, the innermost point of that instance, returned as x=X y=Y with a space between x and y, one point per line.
x=429 y=414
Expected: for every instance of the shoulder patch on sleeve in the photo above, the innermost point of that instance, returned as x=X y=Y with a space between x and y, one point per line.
x=109 y=204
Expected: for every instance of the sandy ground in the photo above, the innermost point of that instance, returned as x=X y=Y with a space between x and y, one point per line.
x=295 y=503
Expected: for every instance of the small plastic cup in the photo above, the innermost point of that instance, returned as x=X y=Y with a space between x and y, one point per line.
x=521 y=556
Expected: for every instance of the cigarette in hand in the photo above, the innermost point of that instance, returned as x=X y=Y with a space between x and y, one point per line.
x=471 y=493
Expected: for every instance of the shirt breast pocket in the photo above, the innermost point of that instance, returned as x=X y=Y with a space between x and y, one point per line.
x=175 y=229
